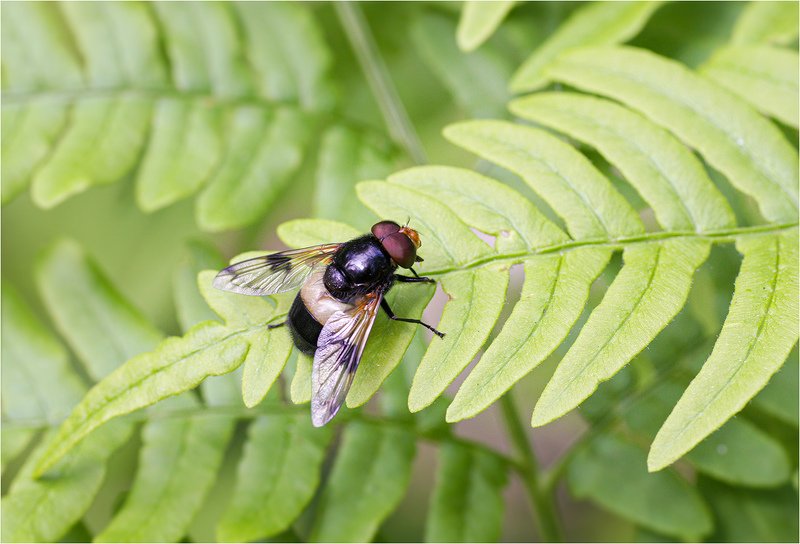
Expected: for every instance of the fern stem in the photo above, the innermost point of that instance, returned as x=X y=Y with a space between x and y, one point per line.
x=394 y=113
x=541 y=500
x=715 y=237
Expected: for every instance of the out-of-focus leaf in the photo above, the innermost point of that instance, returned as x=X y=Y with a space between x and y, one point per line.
x=346 y=157
x=766 y=22
x=598 y=23
x=467 y=501
x=278 y=475
x=613 y=473
x=738 y=452
x=478 y=22
x=476 y=80
x=103 y=328
x=368 y=480
x=750 y=515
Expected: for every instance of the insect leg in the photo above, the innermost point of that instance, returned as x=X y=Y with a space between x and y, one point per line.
x=390 y=313
x=415 y=279
x=276 y=325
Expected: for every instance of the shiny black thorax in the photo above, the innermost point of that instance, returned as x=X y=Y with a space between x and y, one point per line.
x=359 y=267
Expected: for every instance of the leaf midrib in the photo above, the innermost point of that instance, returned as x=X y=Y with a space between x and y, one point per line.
x=716 y=236
x=750 y=347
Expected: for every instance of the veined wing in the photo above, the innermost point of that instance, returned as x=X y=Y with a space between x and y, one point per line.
x=339 y=347
x=274 y=273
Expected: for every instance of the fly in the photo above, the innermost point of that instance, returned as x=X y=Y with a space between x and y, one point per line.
x=341 y=288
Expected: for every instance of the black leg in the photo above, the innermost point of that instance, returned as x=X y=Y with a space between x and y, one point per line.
x=276 y=325
x=416 y=279
x=390 y=313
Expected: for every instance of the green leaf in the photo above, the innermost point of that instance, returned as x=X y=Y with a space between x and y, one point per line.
x=475 y=301
x=553 y=296
x=612 y=472
x=102 y=327
x=478 y=22
x=388 y=341
x=467 y=500
x=175 y=366
x=447 y=241
x=766 y=22
x=368 y=479
x=190 y=305
x=779 y=398
x=38 y=383
x=42 y=510
x=277 y=477
x=648 y=292
x=565 y=179
x=738 y=453
x=311 y=232
x=734 y=139
x=99 y=146
x=287 y=53
x=184 y=147
x=765 y=77
x=750 y=515
x=263 y=153
x=598 y=23
x=667 y=175
x=192 y=308
x=37 y=51
x=347 y=156
x=300 y=391
x=476 y=81
x=760 y=330
x=485 y=204
x=28 y=133
x=178 y=464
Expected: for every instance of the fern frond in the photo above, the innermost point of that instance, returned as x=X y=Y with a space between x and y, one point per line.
x=598 y=23
x=467 y=501
x=673 y=507
x=766 y=23
x=278 y=475
x=226 y=109
x=478 y=22
x=765 y=77
x=367 y=481
x=446 y=205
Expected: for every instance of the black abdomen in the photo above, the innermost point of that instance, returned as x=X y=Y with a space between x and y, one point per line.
x=304 y=328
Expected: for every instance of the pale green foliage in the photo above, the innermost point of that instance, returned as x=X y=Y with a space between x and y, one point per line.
x=367 y=481
x=227 y=100
x=600 y=23
x=227 y=108
x=663 y=502
x=466 y=505
x=478 y=22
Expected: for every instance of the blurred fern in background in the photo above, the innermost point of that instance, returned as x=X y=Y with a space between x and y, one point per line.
x=625 y=243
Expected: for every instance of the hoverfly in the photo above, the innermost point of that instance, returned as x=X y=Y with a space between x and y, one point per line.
x=341 y=288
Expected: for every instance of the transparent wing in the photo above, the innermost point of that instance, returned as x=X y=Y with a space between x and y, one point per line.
x=339 y=350
x=274 y=273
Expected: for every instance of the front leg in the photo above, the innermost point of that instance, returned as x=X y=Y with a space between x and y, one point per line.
x=415 y=279
x=390 y=313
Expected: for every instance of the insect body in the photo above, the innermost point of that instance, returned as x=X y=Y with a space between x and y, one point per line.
x=341 y=288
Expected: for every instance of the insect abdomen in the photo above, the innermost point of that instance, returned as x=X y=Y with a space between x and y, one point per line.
x=304 y=328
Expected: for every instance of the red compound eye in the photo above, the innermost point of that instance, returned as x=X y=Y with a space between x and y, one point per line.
x=401 y=249
x=384 y=228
